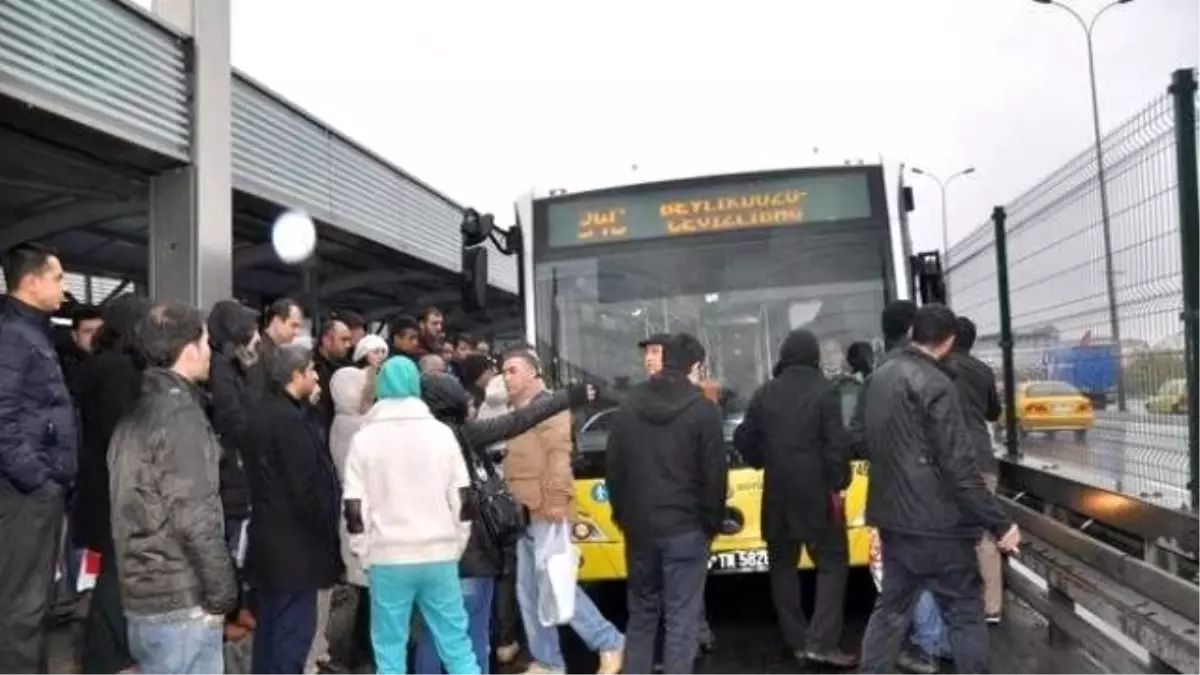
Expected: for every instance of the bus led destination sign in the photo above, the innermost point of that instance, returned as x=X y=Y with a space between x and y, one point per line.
x=745 y=205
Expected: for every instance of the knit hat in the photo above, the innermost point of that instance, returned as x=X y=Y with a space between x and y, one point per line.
x=369 y=343
x=398 y=378
x=445 y=396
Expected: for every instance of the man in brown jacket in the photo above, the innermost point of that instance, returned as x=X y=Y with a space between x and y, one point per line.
x=538 y=470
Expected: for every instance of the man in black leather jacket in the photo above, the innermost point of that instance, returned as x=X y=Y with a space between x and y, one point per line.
x=927 y=497
x=176 y=574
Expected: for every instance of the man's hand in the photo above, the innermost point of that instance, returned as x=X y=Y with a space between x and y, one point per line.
x=555 y=514
x=1011 y=541
x=578 y=395
x=315 y=397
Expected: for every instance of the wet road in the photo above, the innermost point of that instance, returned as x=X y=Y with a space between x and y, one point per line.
x=749 y=642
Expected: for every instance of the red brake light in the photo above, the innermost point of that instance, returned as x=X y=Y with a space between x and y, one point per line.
x=1036 y=408
x=1086 y=406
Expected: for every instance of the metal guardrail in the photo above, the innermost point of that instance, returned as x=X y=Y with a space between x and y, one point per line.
x=1130 y=563
x=1173 y=530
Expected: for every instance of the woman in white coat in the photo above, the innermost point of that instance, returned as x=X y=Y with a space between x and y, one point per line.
x=352 y=391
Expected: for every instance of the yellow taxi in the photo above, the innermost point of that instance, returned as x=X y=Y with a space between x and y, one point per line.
x=1050 y=406
x=740 y=551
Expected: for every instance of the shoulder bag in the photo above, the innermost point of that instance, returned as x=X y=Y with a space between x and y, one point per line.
x=502 y=517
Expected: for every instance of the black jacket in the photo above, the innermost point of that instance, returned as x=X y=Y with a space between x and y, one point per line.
x=232 y=394
x=793 y=429
x=925 y=477
x=667 y=466
x=108 y=387
x=230 y=403
x=324 y=408
x=38 y=430
x=447 y=400
x=293 y=536
x=166 y=513
x=976 y=382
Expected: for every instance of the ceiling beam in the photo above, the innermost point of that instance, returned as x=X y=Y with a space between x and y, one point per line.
x=350 y=282
x=65 y=219
x=421 y=302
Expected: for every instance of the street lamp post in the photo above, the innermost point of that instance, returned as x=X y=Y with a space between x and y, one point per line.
x=1110 y=276
x=944 y=185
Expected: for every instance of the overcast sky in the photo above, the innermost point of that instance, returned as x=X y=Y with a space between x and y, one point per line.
x=486 y=100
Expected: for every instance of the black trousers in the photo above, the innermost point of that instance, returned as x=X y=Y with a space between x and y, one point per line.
x=947 y=568
x=830 y=556
x=106 y=636
x=287 y=623
x=506 y=615
x=665 y=585
x=30 y=532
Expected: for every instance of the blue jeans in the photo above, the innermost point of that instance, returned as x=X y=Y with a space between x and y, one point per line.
x=477 y=594
x=928 y=629
x=588 y=623
x=435 y=590
x=187 y=641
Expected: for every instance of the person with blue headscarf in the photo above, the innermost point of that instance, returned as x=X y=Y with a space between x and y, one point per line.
x=403 y=499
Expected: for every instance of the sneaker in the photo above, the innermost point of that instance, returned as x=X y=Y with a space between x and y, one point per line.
x=994 y=619
x=508 y=653
x=611 y=662
x=917 y=662
x=833 y=657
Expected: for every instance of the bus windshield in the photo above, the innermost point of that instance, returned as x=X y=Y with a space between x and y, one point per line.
x=740 y=296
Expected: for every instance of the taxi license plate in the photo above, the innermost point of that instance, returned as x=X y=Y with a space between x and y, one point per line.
x=1062 y=408
x=738 y=562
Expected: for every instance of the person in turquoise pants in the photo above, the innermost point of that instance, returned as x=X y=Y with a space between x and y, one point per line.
x=403 y=503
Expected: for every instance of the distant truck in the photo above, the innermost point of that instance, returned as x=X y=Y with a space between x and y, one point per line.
x=1092 y=369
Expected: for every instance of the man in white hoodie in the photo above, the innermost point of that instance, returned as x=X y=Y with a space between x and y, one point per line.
x=403 y=499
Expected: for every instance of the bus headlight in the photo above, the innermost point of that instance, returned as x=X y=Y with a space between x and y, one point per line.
x=585 y=531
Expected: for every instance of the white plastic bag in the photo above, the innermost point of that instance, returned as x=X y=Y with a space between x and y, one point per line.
x=875 y=559
x=557 y=570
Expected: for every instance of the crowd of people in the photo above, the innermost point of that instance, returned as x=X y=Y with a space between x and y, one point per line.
x=920 y=417
x=241 y=488
x=323 y=503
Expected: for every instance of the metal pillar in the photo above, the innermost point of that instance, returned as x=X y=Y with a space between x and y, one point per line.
x=1183 y=89
x=1114 y=320
x=904 y=201
x=191 y=207
x=1011 y=442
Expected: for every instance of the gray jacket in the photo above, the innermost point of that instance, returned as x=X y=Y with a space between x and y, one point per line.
x=167 y=521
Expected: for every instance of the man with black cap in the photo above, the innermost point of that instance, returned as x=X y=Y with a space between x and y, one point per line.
x=652 y=352
x=666 y=478
x=652 y=361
